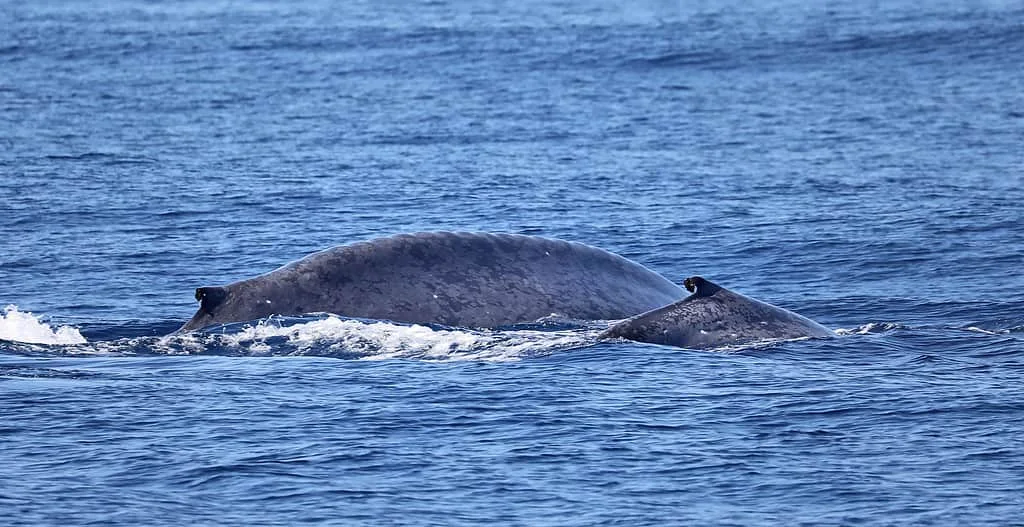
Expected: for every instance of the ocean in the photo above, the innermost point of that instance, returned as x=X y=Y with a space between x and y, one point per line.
x=858 y=162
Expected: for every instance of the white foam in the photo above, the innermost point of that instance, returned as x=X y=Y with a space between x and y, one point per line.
x=24 y=327
x=987 y=331
x=382 y=340
x=870 y=327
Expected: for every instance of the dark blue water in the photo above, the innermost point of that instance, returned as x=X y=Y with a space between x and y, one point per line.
x=857 y=162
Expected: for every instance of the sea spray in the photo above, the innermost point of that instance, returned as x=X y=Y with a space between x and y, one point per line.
x=24 y=327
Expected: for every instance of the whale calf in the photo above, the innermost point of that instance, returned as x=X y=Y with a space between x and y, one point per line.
x=714 y=316
x=483 y=280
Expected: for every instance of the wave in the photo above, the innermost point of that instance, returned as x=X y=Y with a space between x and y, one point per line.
x=333 y=336
x=870 y=328
x=330 y=336
x=343 y=338
x=24 y=327
x=316 y=336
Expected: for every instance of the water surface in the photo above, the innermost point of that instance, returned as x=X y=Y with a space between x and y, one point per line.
x=857 y=162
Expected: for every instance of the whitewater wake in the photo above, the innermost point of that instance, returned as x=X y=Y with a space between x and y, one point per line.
x=24 y=327
x=315 y=336
x=328 y=335
x=332 y=336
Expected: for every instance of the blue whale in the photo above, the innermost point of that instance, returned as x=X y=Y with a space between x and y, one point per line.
x=482 y=280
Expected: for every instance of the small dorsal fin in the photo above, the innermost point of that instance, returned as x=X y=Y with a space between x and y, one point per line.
x=701 y=287
x=210 y=297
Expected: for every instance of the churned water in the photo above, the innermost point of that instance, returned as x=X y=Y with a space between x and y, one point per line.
x=857 y=162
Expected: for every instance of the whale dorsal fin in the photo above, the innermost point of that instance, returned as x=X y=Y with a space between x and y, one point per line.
x=210 y=297
x=714 y=316
x=701 y=287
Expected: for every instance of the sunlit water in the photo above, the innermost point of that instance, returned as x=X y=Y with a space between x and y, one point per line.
x=859 y=163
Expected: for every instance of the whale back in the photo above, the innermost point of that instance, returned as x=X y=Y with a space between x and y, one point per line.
x=714 y=316
x=455 y=279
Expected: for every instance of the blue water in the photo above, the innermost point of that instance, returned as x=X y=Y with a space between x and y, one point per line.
x=857 y=162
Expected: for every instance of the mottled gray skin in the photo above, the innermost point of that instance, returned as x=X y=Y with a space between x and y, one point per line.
x=493 y=280
x=454 y=279
x=714 y=316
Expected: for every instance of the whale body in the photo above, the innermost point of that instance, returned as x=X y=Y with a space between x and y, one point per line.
x=482 y=280
x=714 y=316
x=468 y=280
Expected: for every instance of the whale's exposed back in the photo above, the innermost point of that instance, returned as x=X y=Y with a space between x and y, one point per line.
x=714 y=316
x=455 y=279
x=493 y=280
